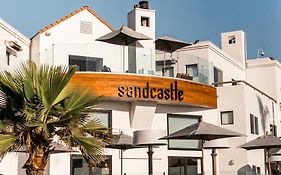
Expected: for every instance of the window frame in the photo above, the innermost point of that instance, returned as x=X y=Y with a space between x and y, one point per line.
x=231 y=40
x=185 y=157
x=191 y=65
x=199 y=117
x=167 y=69
x=147 y=19
x=109 y=157
x=222 y=112
x=254 y=121
x=85 y=59
x=109 y=116
x=8 y=57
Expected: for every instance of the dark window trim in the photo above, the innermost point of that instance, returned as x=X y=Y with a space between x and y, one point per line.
x=110 y=115
x=185 y=157
x=232 y=118
x=80 y=155
x=147 y=19
x=254 y=120
x=183 y=116
x=167 y=69
x=195 y=64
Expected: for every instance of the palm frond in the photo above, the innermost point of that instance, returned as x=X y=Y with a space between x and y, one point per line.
x=7 y=143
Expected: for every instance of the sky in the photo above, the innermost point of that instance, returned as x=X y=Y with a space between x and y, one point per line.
x=187 y=20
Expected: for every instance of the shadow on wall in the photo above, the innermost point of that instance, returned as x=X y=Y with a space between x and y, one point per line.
x=264 y=112
x=245 y=170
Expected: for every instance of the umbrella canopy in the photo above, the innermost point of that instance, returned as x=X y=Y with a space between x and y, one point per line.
x=123 y=36
x=263 y=142
x=122 y=142
x=169 y=44
x=202 y=131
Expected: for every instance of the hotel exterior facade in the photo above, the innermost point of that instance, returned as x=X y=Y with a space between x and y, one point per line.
x=144 y=93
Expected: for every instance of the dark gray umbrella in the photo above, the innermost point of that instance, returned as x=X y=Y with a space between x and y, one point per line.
x=204 y=132
x=169 y=44
x=122 y=142
x=124 y=36
x=265 y=142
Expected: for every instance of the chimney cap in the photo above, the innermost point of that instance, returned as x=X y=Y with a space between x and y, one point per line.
x=144 y=4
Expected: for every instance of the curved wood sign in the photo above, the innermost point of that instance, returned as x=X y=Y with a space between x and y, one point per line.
x=135 y=87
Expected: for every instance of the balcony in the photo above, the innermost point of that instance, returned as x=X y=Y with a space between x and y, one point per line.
x=196 y=68
x=95 y=57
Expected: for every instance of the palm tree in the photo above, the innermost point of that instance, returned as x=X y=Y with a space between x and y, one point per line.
x=38 y=104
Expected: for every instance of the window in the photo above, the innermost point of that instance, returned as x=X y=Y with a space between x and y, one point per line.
x=258 y=170
x=86 y=63
x=145 y=21
x=168 y=72
x=79 y=166
x=105 y=117
x=184 y=166
x=231 y=40
x=227 y=118
x=192 y=70
x=8 y=55
x=177 y=122
x=218 y=74
x=86 y=27
x=254 y=123
x=273 y=130
x=254 y=169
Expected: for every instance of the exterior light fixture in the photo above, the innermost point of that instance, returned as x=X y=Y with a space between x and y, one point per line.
x=260 y=52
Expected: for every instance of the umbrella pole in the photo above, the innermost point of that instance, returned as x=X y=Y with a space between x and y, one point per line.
x=268 y=159
x=202 y=160
x=164 y=66
x=150 y=153
x=214 y=163
x=265 y=166
x=121 y=157
x=123 y=58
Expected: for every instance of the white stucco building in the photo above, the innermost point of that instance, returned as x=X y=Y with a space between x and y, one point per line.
x=14 y=46
x=226 y=89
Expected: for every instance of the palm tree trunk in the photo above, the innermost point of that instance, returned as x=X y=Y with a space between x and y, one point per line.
x=37 y=161
x=34 y=172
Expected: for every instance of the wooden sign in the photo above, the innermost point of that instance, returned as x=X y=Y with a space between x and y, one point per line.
x=135 y=87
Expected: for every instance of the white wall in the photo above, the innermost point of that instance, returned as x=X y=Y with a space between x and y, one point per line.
x=237 y=49
x=142 y=57
x=60 y=164
x=207 y=56
x=243 y=101
x=9 y=33
x=65 y=39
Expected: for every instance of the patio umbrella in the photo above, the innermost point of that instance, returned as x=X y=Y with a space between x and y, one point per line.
x=124 y=36
x=265 y=142
x=169 y=44
x=204 y=132
x=122 y=142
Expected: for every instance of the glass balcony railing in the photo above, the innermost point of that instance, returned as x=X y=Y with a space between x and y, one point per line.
x=196 y=68
x=92 y=57
x=99 y=57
